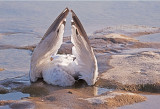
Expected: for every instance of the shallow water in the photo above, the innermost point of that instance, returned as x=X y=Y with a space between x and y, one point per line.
x=138 y=50
x=5 y=107
x=151 y=103
x=15 y=62
x=24 y=23
x=36 y=17
x=150 y=38
x=20 y=39
x=20 y=88
x=13 y=96
x=103 y=90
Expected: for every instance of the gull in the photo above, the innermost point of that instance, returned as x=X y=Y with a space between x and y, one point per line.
x=64 y=69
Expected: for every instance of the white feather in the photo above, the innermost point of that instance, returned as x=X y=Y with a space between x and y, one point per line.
x=59 y=71
x=87 y=63
x=43 y=51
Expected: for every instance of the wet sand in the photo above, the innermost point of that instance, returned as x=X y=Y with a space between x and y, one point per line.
x=22 y=25
x=125 y=65
x=81 y=96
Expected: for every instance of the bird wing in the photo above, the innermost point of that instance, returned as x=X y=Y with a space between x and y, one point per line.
x=85 y=58
x=53 y=37
x=49 y=45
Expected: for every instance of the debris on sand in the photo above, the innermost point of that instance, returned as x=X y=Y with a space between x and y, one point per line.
x=2 y=69
x=119 y=36
x=3 y=90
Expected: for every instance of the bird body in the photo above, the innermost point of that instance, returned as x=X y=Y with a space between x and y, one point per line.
x=62 y=69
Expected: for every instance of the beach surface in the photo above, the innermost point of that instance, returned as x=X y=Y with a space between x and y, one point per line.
x=127 y=51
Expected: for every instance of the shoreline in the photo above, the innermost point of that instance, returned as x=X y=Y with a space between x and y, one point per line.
x=109 y=50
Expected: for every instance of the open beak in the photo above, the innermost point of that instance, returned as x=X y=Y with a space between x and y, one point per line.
x=61 y=19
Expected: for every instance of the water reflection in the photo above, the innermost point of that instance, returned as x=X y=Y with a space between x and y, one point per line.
x=150 y=38
x=13 y=96
x=102 y=90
